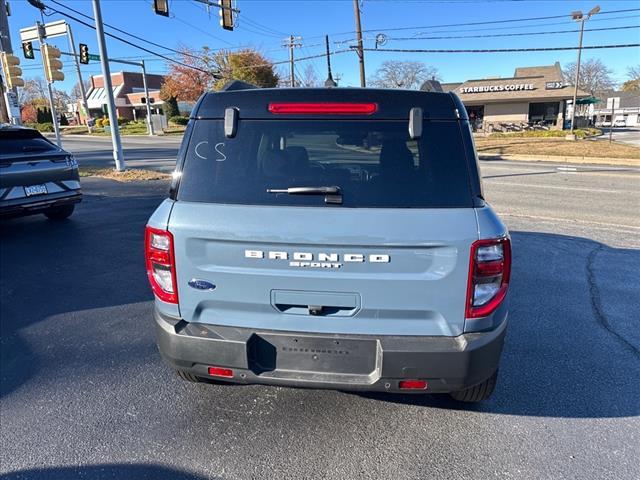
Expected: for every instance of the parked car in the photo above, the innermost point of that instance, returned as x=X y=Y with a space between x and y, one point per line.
x=620 y=122
x=606 y=123
x=36 y=176
x=330 y=238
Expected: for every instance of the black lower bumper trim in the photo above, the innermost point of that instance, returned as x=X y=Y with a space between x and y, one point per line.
x=30 y=206
x=341 y=362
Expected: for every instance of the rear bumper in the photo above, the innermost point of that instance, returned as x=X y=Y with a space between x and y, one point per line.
x=341 y=362
x=38 y=204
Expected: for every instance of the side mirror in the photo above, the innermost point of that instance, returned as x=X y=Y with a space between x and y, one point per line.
x=231 y=122
x=415 y=123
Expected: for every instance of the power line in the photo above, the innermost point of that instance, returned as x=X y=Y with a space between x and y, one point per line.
x=499 y=50
x=187 y=54
x=492 y=22
x=120 y=39
x=521 y=34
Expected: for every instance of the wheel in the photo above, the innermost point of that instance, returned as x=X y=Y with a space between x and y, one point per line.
x=477 y=393
x=59 y=213
x=188 y=377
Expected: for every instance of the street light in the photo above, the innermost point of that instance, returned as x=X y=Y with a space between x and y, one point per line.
x=578 y=16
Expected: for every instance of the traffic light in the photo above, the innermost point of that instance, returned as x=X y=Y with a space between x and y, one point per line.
x=52 y=64
x=27 y=50
x=11 y=70
x=84 y=53
x=161 y=7
x=226 y=14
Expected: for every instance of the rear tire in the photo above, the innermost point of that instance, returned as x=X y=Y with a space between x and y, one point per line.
x=60 y=213
x=477 y=393
x=188 y=377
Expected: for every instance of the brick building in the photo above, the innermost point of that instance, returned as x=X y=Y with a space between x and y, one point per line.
x=128 y=92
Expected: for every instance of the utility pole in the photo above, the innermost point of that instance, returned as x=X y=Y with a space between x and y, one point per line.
x=578 y=17
x=291 y=44
x=360 y=47
x=83 y=91
x=5 y=46
x=106 y=74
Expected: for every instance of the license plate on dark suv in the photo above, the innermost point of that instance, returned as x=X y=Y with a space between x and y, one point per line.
x=32 y=190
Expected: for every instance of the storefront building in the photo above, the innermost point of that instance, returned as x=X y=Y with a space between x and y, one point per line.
x=534 y=98
x=617 y=108
x=128 y=93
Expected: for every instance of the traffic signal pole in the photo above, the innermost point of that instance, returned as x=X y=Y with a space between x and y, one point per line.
x=83 y=91
x=146 y=94
x=106 y=74
x=54 y=115
x=5 y=46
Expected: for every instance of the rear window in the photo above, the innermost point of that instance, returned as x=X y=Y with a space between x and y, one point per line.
x=14 y=142
x=374 y=163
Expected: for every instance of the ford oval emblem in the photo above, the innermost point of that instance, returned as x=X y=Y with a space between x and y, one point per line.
x=201 y=284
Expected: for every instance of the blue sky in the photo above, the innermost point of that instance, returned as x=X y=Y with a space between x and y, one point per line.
x=263 y=25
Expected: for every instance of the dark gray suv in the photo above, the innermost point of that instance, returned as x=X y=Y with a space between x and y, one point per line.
x=330 y=238
x=36 y=176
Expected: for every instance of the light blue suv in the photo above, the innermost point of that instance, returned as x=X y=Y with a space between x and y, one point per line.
x=330 y=238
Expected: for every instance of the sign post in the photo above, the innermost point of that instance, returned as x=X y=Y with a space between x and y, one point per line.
x=612 y=103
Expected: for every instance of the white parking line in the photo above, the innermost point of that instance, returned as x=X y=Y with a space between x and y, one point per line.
x=607 y=226
x=554 y=187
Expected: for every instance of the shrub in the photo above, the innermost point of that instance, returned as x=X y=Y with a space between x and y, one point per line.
x=123 y=121
x=98 y=122
x=179 y=120
x=41 y=127
x=580 y=133
x=105 y=122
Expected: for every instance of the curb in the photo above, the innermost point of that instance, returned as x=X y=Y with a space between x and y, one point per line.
x=627 y=162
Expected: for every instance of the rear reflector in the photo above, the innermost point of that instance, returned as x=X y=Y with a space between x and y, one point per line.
x=413 y=385
x=323 y=108
x=220 y=372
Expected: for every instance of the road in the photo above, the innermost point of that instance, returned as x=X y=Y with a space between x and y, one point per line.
x=630 y=135
x=85 y=394
x=156 y=153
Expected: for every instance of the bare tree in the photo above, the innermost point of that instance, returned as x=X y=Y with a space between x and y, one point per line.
x=633 y=84
x=309 y=78
x=398 y=74
x=595 y=77
x=76 y=93
x=34 y=90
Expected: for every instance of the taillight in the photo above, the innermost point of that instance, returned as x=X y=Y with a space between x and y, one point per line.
x=489 y=270
x=161 y=267
x=323 y=108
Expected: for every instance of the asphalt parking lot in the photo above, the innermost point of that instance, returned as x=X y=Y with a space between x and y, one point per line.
x=84 y=393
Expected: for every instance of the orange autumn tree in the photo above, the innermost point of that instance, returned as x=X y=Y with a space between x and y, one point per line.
x=208 y=70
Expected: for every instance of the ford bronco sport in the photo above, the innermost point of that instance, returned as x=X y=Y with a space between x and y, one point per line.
x=330 y=238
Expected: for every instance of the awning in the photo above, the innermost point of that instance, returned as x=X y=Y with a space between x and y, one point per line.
x=96 y=97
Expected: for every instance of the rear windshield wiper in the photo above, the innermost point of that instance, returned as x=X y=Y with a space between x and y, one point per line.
x=306 y=190
x=331 y=194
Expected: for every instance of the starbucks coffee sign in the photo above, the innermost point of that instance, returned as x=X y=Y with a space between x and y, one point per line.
x=509 y=87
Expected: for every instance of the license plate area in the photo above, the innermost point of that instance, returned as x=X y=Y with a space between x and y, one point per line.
x=32 y=190
x=314 y=358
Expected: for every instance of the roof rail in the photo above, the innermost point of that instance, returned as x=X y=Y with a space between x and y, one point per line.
x=238 y=85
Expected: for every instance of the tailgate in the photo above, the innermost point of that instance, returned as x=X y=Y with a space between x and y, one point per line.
x=358 y=271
